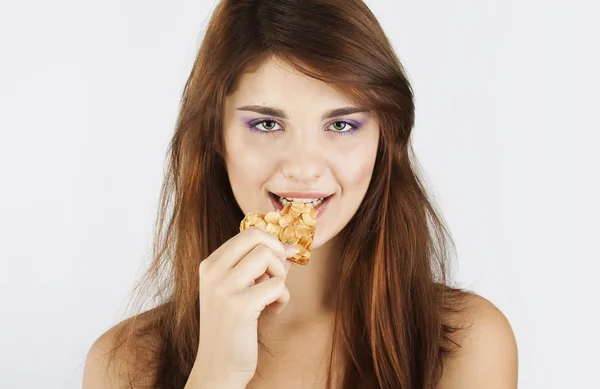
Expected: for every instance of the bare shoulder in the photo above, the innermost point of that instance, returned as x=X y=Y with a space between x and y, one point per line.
x=487 y=354
x=102 y=370
x=113 y=357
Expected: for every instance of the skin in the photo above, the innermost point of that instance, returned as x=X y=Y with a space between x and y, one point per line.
x=305 y=154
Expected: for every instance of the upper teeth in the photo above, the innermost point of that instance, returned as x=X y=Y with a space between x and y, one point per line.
x=313 y=202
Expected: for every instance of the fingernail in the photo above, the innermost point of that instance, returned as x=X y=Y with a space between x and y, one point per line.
x=291 y=250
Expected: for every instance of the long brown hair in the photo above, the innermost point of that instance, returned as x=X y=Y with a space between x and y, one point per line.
x=393 y=298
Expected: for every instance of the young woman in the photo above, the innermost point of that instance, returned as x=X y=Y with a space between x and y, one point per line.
x=305 y=101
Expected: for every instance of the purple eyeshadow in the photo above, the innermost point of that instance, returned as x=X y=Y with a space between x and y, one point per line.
x=252 y=123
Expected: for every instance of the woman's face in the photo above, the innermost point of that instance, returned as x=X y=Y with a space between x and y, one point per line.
x=283 y=141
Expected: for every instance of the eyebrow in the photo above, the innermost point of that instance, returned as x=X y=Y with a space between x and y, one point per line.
x=270 y=111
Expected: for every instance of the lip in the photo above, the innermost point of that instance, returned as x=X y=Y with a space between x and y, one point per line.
x=319 y=208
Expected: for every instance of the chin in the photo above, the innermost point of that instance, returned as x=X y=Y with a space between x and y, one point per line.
x=318 y=242
x=325 y=232
x=322 y=237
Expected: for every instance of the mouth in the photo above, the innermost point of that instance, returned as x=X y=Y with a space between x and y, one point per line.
x=319 y=203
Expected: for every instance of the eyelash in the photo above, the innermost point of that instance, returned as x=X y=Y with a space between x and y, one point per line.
x=252 y=127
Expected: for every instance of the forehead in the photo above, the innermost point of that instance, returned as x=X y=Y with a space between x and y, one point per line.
x=275 y=82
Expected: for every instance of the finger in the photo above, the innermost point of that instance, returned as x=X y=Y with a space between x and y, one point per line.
x=262 y=278
x=288 y=265
x=260 y=261
x=276 y=307
x=272 y=291
x=232 y=251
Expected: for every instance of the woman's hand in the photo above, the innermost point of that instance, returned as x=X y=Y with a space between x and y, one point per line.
x=242 y=277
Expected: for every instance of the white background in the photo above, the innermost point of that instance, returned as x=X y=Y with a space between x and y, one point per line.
x=89 y=93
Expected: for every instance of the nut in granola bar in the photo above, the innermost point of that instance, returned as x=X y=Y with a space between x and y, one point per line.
x=295 y=225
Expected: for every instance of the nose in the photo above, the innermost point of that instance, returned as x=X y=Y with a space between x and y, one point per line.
x=303 y=160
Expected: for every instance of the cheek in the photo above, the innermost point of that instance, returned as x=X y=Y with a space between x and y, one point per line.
x=244 y=147
x=357 y=179
x=243 y=163
x=365 y=170
x=246 y=163
x=354 y=169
